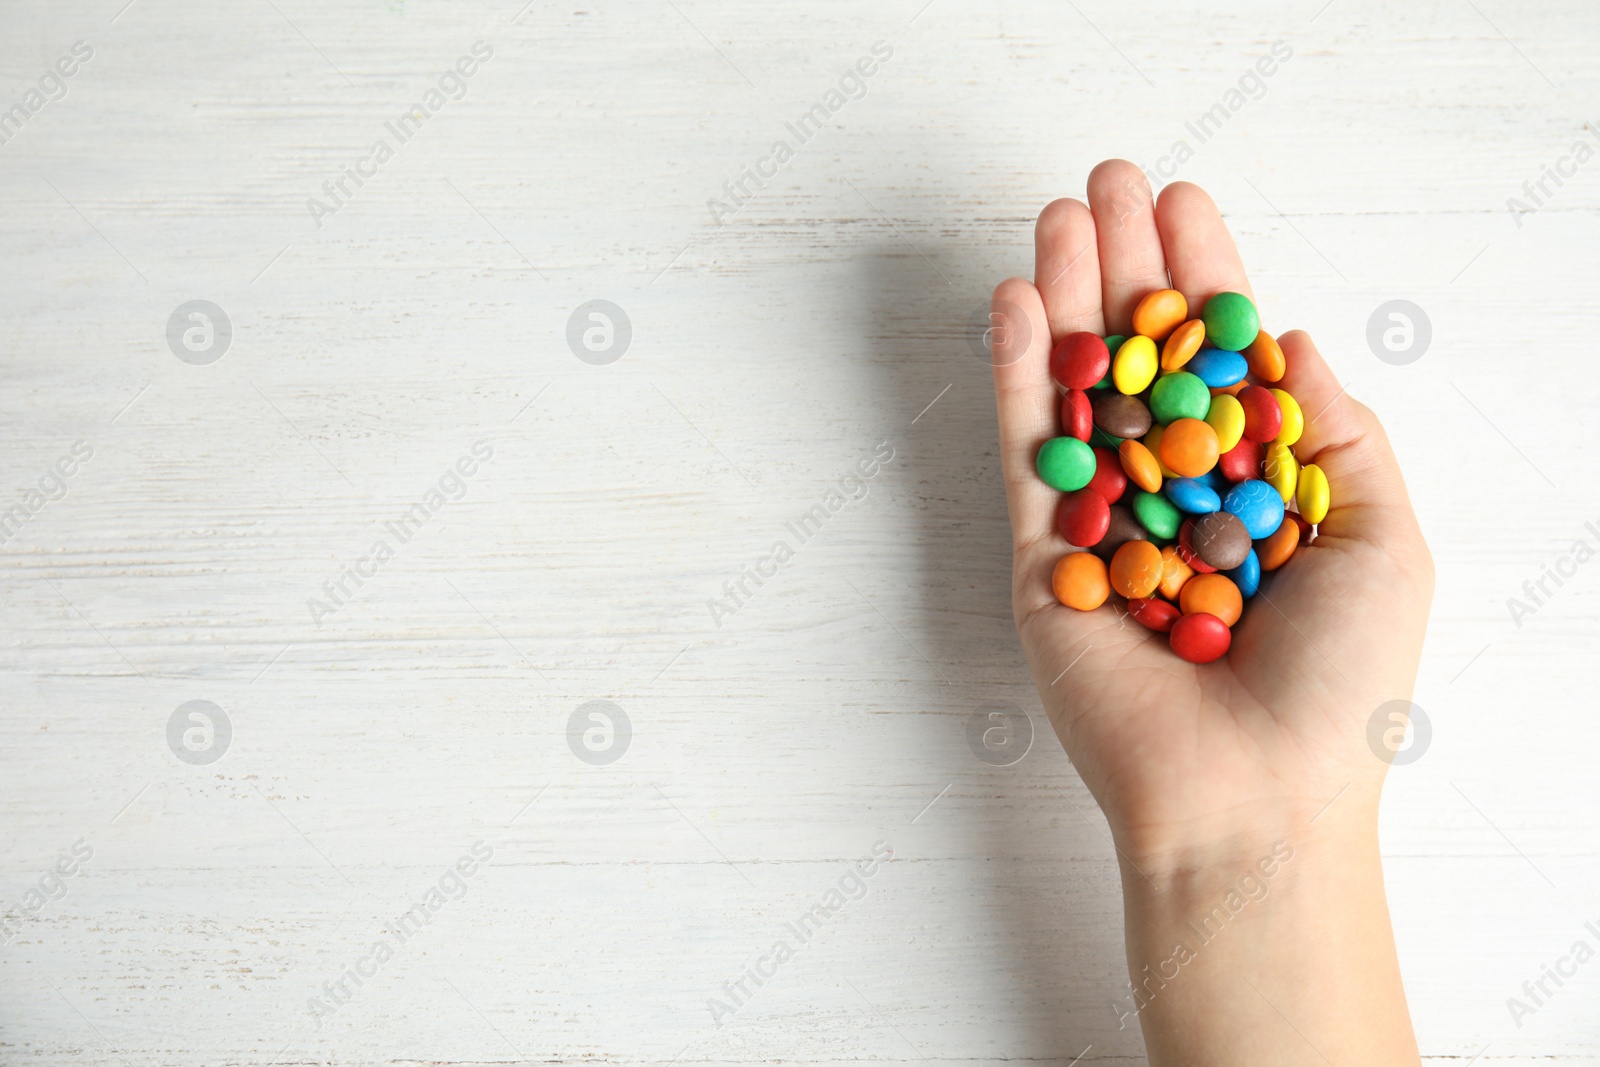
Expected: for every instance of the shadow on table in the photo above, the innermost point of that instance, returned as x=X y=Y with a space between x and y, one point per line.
x=1042 y=945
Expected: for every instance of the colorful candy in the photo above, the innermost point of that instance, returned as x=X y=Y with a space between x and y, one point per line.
x=1079 y=360
x=1178 y=470
x=1065 y=463
x=1231 y=321
x=1080 y=581
x=1159 y=313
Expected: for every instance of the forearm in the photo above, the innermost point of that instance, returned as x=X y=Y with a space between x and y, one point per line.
x=1278 y=950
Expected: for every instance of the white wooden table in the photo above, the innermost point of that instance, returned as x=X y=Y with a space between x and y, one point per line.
x=372 y=739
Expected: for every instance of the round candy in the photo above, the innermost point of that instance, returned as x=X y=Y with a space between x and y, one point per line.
x=1218 y=367
x=1247 y=575
x=1079 y=581
x=1241 y=462
x=1281 y=470
x=1121 y=415
x=1109 y=480
x=1079 y=360
x=1135 y=365
x=1157 y=514
x=1113 y=343
x=1175 y=573
x=1231 y=321
x=1226 y=416
x=1312 y=494
x=1186 y=550
x=1140 y=465
x=1122 y=528
x=1275 y=549
x=1232 y=390
x=1182 y=345
x=1188 y=447
x=1159 y=313
x=1158 y=615
x=1200 y=638
x=1152 y=441
x=1294 y=422
x=1265 y=357
x=1065 y=463
x=1213 y=594
x=1077 y=417
x=1193 y=496
x=1263 y=418
x=1136 y=569
x=1257 y=505
x=1179 y=395
x=1221 y=540
x=1083 y=517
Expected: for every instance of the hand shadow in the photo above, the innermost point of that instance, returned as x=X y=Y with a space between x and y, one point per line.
x=1039 y=948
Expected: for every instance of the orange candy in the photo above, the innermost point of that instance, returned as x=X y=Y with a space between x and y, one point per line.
x=1189 y=447
x=1182 y=345
x=1231 y=390
x=1175 y=573
x=1265 y=358
x=1080 y=581
x=1140 y=465
x=1136 y=569
x=1275 y=549
x=1213 y=594
x=1159 y=313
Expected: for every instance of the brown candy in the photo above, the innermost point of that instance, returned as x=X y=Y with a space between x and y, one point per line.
x=1120 y=415
x=1122 y=529
x=1220 y=539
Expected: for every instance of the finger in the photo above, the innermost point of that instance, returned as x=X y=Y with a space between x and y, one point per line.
x=1343 y=437
x=1067 y=268
x=1200 y=252
x=1027 y=403
x=1131 y=261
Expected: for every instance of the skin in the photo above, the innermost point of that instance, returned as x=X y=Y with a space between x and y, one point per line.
x=1202 y=771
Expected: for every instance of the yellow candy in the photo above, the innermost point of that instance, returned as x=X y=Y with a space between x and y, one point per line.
x=1227 y=418
x=1294 y=421
x=1152 y=441
x=1312 y=494
x=1135 y=366
x=1282 y=470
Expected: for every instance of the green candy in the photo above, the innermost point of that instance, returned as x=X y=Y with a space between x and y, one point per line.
x=1231 y=321
x=1180 y=395
x=1065 y=463
x=1157 y=514
x=1114 y=342
x=1101 y=439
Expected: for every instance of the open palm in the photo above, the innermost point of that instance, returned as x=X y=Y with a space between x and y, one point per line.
x=1177 y=754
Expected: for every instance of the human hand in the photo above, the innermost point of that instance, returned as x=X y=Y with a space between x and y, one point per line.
x=1186 y=758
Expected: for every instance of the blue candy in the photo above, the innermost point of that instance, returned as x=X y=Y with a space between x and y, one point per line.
x=1247 y=575
x=1257 y=505
x=1193 y=496
x=1215 y=479
x=1218 y=368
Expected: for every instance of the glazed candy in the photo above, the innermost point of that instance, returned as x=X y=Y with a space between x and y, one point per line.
x=1178 y=469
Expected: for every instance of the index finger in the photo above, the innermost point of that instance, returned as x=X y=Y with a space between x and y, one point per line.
x=1201 y=255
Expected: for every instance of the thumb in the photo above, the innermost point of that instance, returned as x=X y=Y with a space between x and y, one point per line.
x=1367 y=494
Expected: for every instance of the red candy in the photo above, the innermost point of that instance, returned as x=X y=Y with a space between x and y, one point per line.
x=1241 y=462
x=1200 y=638
x=1186 y=550
x=1083 y=517
x=1109 y=480
x=1079 y=360
x=1154 y=613
x=1263 y=417
x=1077 y=417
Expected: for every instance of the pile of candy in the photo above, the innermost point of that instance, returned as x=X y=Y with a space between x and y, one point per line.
x=1209 y=447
